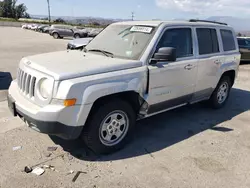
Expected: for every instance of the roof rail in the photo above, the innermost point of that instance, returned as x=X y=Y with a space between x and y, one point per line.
x=207 y=21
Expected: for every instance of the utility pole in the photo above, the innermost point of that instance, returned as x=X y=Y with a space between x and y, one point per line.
x=132 y=16
x=49 y=10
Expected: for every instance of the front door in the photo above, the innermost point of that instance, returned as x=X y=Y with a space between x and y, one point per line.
x=172 y=83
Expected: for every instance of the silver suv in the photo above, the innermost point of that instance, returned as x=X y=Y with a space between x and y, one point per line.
x=130 y=71
x=60 y=31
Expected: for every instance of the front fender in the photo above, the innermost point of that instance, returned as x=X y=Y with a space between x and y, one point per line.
x=92 y=93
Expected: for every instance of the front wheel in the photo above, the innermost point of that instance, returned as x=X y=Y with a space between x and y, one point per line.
x=221 y=93
x=110 y=127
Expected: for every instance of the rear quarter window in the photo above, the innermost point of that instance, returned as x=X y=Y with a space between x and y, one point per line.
x=228 y=40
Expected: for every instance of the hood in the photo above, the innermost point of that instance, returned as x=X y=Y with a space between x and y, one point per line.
x=80 y=42
x=72 y=64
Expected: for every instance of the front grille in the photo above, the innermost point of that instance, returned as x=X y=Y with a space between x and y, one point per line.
x=26 y=83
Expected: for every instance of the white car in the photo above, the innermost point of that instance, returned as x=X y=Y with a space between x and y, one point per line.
x=25 y=26
x=130 y=71
x=33 y=27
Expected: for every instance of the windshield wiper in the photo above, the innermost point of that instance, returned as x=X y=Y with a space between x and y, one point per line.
x=108 y=54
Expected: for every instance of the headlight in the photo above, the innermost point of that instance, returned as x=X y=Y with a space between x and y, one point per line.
x=45 y=88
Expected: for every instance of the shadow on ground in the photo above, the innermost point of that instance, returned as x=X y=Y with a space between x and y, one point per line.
x=161 y=131
x=245 y=63
x=5 y=80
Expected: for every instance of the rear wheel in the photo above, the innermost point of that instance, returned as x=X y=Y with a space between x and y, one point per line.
x=221 y=93
x=77 y=36
x=110 y=127
x=55 y=35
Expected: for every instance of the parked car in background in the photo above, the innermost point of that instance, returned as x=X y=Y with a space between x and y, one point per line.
x=41 y=27
x=130 y=71
x=80 y=33
x=33 y=27
x=78 y=44
x=25 y=26
x=94 y=32
x=46 y=29
x=60 y=31
x=244 y=45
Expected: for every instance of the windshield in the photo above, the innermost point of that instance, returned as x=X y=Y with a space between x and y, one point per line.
x=122 y=41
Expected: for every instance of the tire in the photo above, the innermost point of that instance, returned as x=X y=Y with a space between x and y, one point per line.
x=77 y=36
x=216 y=100
x=96 y=138
x=56 y=35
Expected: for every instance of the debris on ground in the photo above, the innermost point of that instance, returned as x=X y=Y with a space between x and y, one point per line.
x=54 y=148
x=16 y=148
x=47 y=154
x=70 y=172
x=77 y=175
x=27 y=169
x=47 y=166
x=38 y=171
x=48 y=160
x=50 y=167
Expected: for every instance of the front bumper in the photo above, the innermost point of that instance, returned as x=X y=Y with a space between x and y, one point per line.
x=52 y=120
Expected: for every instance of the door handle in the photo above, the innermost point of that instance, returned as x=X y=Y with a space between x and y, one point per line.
x=189 y=67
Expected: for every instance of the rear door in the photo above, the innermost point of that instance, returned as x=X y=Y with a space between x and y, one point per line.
x=210 y=60
x=68 y=31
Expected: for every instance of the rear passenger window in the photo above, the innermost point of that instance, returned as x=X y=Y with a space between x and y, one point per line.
x=180 y=39
x=228 y=40
x=207 y=40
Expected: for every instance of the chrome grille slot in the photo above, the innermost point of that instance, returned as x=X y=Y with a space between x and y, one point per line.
x=26 y=83
x=32 y=86
x=27 y=86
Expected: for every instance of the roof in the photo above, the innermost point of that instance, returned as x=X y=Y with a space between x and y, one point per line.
x=157 y=23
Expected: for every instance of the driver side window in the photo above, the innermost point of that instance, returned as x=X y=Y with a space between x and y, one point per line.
x=180 y=39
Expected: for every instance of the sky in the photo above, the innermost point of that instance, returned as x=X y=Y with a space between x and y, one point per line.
x=144 y=9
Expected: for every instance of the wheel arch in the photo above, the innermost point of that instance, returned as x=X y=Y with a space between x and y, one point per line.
x=231 y=74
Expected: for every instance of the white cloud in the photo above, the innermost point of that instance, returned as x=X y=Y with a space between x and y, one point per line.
x=207 y=7
x=139 y=6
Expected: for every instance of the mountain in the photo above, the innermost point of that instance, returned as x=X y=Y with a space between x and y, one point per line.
x=239 y=24
x=82 y=20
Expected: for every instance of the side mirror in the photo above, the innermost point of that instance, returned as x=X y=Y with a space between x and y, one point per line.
x=164 y=54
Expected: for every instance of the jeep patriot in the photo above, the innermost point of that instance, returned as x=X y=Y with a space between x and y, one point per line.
x=130 y=71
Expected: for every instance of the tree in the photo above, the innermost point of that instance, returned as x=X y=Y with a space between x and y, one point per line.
x=96 y=24
x=239 y=34
x=1 y=8
x=20 y=11
x=60 y=20
x=10 y=9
